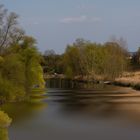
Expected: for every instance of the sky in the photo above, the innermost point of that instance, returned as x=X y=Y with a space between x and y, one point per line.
x=56 y=23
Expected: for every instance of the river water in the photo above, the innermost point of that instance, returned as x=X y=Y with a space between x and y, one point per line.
x=77 y=111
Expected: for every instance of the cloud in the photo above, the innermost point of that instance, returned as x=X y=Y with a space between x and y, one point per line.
x=80 y=19
x=73 y=19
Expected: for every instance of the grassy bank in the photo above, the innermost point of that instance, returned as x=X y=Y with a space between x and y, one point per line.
x=129 y=79
x=96 y=79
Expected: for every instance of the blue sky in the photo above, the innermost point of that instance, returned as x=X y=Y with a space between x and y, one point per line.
x=56 y=23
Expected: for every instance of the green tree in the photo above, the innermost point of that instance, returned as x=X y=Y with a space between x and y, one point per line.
x=31 y=59
x=116 y=61
x=20 y=68
x=84 y=58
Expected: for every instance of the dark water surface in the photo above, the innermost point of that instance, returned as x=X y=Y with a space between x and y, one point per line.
x=74 y=111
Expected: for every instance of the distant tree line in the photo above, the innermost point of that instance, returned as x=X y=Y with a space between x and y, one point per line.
x=135 y=60
x=52 y=62
x=84 y=58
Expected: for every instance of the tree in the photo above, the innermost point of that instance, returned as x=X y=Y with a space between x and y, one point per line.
x=31 y=59
x=20 y=68
x=72 y=61
x=10 y=32
x=84 y=58
x=5 y=121
x=135 y=61
x=116 y=60
x=53 y=63
x=49 y=53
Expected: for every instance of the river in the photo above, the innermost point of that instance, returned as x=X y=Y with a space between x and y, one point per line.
x=77 y=111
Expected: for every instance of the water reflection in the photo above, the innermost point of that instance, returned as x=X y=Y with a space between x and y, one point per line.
x=95 y=100
x=22 y=112
x=77 y=111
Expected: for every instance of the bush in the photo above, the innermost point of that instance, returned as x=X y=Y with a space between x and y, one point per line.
x=5 y=121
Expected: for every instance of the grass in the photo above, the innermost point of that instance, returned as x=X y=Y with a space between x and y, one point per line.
x=129 y=79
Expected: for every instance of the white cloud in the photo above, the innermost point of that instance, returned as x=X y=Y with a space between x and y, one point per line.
x=73 y=19
x=80 y=19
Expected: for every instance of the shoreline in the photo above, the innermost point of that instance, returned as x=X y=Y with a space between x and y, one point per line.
x=131 y=80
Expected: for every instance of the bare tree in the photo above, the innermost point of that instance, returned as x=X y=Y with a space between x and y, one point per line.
x=49 y=53
x=10 y=32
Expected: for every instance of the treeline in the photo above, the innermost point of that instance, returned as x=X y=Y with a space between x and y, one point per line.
x=135 y=60
x=86 y=59
x=20 y=68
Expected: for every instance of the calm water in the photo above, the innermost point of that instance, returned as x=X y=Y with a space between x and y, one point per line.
x=73 y=111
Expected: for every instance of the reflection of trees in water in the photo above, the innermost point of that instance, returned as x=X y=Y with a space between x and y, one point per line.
x=97 y=100
x=82 y=101
x=23 y=111
x=66 y=83
x=19 y=112
x=4 y=134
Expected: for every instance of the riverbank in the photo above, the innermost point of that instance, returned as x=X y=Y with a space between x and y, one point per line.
x=129 y=79
x=84 y=79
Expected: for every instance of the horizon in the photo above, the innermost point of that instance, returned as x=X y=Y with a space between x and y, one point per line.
x=55 y=24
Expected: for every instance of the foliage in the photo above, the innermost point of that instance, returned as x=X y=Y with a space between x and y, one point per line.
x=90 y=59
x=136 y=57
x=19 y=72
x=84 y=58
x=116 y=60
x=20 y=68
x=5 y=121
x=52 y=62
x=10 y=32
